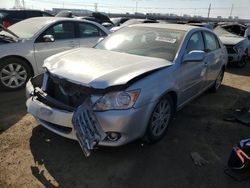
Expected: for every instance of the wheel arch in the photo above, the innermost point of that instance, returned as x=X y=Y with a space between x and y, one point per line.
x=19 y=57
x=173 y=95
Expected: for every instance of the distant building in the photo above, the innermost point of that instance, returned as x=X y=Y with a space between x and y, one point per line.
x=186 y=16
x=219 y=17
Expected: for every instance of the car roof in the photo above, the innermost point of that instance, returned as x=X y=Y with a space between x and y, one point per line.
x=181 y=27
x=48 y=20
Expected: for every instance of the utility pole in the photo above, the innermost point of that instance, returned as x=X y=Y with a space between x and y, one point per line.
x=208 y=14
x=136 y=6
x=17 y=4
x=231 y=11
x=96 y=5
x=23 y=4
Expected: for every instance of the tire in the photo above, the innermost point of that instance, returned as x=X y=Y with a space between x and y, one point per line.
x=14 y=74
x=152 y=134
x=218 y=81
x=242 y=63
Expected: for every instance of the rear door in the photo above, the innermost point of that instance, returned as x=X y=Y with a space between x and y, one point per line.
x=64 y=34
x=213 y=57
x=89 y=34
x=192 y=73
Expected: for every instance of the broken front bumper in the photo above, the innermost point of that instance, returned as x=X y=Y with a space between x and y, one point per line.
x=129 y=124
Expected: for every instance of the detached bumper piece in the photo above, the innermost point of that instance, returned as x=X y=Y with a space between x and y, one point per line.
x=88 y=130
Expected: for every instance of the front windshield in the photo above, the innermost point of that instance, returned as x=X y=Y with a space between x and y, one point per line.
x=144 y=41
x=25 y=29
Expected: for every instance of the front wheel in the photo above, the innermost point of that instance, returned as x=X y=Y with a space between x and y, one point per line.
x=160 y=119
x=14 y=73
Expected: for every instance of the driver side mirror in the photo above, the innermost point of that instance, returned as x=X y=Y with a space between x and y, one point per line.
x=194 y=56
x=48 y=38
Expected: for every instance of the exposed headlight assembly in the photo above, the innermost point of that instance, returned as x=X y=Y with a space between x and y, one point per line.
x=239 y=49
x=117 y=100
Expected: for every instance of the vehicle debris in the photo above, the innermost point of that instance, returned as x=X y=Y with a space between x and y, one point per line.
x=198 y=159
x=88 y=130
x=239 y=161
x=241 y=115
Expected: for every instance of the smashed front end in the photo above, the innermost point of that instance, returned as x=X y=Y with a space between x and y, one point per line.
x=67 y=109
x=58 y=105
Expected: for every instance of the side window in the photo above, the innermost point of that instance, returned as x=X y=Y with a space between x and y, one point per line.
x=195 y=42
x=65 y=30
x=211 y=42
x=87 y=30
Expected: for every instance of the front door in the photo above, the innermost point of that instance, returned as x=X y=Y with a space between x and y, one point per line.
x=64 y=39
x=192 y=74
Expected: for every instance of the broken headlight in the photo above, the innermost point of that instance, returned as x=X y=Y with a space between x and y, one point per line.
x=117 y=100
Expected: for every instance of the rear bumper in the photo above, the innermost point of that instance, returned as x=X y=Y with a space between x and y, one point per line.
x=131 y=124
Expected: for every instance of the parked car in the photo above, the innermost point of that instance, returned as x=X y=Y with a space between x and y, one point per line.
x=128 y=86
x=200 y=24
x=132 y=22
x=238 y=45
x=34 y=39
x=9 y=16
x=119 y=21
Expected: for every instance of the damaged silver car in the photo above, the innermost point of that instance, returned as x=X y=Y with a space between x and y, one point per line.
x=128 y=86
x=236 y=39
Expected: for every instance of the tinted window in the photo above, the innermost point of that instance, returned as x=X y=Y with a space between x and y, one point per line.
x=144 y=41
x=30 y=14
x=16 y=15
x=195 y=42
x=211 y=42
x=89 y=30
x=65 y=30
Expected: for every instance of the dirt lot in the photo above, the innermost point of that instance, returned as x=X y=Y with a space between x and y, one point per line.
x=31 y=156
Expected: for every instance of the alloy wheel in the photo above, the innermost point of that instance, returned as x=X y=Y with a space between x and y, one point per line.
x=13 y=75
x=161 y=117
x=219 y=80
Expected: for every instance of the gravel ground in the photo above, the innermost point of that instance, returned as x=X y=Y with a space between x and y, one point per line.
x=31 y=156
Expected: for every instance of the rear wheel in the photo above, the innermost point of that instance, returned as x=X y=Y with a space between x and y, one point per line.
x=242 y=63
x=14 y=74
x=218 y=81
x=160 y=119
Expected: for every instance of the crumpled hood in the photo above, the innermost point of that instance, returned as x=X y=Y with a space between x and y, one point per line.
x=101 y=68
x=231 y=40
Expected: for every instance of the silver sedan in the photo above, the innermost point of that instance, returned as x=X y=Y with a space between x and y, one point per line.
x=128 y=86
x=26 y=44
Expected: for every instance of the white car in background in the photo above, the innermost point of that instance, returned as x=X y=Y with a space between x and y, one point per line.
x=26 y=44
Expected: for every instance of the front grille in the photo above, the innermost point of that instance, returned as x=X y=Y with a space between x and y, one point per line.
x=230 y=50
x=66 y=92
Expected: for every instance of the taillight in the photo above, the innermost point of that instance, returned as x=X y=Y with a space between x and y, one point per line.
x=6 y=23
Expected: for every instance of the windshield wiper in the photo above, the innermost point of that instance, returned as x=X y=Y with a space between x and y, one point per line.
x=7 y=30
x=8 y=38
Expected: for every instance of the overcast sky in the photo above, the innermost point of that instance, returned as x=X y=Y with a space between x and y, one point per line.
x=193 y=7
